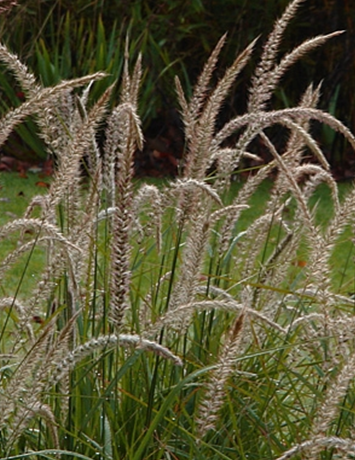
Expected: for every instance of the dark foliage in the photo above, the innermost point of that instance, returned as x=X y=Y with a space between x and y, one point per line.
x=175 y=37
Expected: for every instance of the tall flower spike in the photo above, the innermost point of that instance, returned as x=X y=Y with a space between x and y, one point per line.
x=335 y=393
x=124 y=126
x=263 y=120
x=17 y=391
x=213 y=399
x=260 y=89
x=200 y=91
x=26 y=79
x=36 y=103
x=200 y=154
x=108 y=341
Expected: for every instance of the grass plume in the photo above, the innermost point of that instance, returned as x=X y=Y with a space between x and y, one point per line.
x=176 y=320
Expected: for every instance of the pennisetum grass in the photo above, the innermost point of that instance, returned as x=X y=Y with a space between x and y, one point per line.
x=165 y=324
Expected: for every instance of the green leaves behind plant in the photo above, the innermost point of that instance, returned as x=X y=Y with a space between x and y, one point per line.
x=80 y=49
x=24 y=143
x=76 y=49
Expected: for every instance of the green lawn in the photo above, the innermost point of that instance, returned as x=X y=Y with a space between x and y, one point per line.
x=15 y=195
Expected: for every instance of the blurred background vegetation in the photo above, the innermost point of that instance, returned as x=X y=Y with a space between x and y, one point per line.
x=64 y=39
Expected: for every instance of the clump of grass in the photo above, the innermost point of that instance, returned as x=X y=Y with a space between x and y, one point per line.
x=159 y=327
